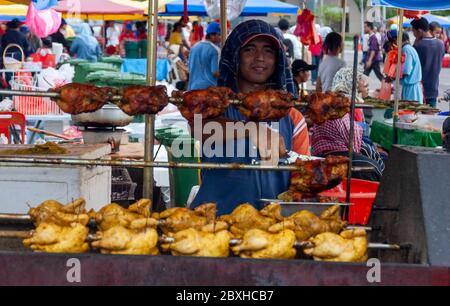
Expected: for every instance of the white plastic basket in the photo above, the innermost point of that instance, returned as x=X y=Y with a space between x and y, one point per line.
x=32 y=105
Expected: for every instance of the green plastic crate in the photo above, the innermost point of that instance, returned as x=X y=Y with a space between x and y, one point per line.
x=83 y=69
x=113 y=60
x=182 y=180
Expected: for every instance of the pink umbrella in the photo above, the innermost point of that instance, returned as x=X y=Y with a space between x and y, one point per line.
x=96 y=7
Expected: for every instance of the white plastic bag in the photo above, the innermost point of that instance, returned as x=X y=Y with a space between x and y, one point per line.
x=51 y=78
x=6 y=105
x=234 y=8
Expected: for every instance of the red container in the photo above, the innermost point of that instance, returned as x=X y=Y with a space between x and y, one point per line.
x=362 y=196
x=446 y=62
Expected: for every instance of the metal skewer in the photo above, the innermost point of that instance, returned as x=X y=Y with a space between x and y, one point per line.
x=15 y=161
x=176 y=101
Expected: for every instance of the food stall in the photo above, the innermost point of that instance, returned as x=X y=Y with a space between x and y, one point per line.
x=151 y=249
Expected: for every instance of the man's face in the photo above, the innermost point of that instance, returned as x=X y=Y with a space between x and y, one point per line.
x=303 y=76
x=417 y=33
x=216 y=38
x=366 y=29
x=437 y=32
x=257 y=61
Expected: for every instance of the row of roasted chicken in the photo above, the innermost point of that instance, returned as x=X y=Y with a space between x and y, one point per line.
x=262 y=105
x=247 y=232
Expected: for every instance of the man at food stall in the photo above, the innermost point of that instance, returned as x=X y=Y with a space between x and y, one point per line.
x=253 y=59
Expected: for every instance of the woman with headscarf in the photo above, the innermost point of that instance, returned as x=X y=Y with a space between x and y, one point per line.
x=14 y=36
x=85 y=46
x=252 y=58
x=332 y=137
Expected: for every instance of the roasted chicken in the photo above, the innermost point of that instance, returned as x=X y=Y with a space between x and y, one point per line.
x=64 y=215
x=201 y=243
x=266 y=105
x=52 y=238
x=139 y=237
x=77 y=98
x=257 y=243
x=177 y=219
x=295 y=196
x=113 y=214
x=306 y=224
x=246 y=217
x=327 y=106
x=348 y=246
x=210 y=103
x=315 y=176
x=140 y=99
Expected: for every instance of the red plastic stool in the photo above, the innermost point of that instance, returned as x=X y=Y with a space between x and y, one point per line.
x=8 y=119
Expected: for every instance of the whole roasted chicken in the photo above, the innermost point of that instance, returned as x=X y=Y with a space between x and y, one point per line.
x=75 y=98
x=210 y=103
x=315 y=176
x=52 y=238
x=177 y=219
x=348 y=246
x=207 y=242
x=266 y=105
x=139 y=237
x=246 y=217
x=327 y=106
x=141 y=99
x=113 y=214
x=52 y=211
x=306 y=224
x=257 y=243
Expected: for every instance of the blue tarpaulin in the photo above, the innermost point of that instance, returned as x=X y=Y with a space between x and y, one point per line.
x=429 y=5
x=252 y=8
x=443 y=21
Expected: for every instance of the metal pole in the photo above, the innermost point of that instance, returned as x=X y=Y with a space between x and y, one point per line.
x=361 y=4
x=223 y=21
x=352 y=120
x=37 y=161
x=151 y=80
x=344 y=19
x=397 y=76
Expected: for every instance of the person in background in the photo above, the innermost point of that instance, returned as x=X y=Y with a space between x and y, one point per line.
x=374 y=58
x=289 y=47
x=176 y=39
x=283 y=24
x=59 y=36
x=14 y=36
x=331 y=64
x=412 y=73
x=332 y=137
x=436 y=29
x=431 y=52
x=365 y=48
x=446 y=135
x=141 y=30
x=196 y=33
x=85 y=46
x=204 y=60
x=34 y=42
x=2 y=29
x=112 y=38
x=316 y=54
x=301 y=72
x=127 y=34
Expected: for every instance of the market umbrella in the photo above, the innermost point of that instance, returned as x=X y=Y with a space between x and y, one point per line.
x=252 y=8
x=99 y=10
x=430 y=5
x=443 y=21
